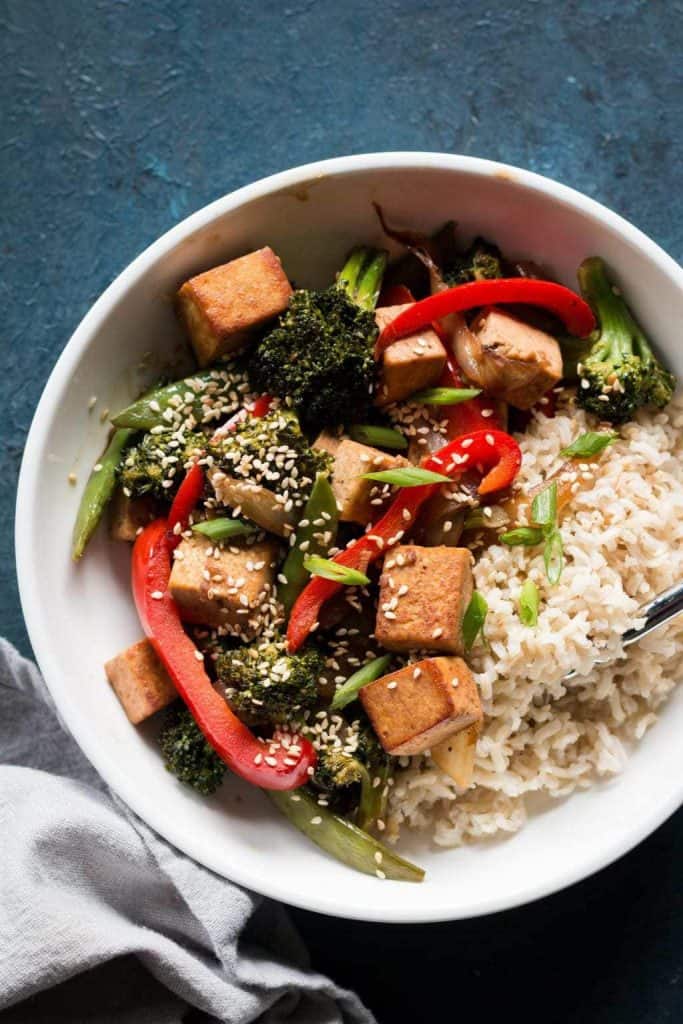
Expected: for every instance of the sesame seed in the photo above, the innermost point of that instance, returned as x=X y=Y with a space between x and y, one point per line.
x=97 y=467
x=72 y=478
x=392 y=685
x=381 y=825
x=258 y=759
x=157 y=595
x=92 y=402
x=380 y=873
x=272 y=761
x=585 y=384
x=486 y=413
x=317 y=820
x=417 y=672
x=199 y=656
x=466 y=443
x=437 y=632
x=378 y=857
x=447 y=526
x=455 y=683
x=489 y=439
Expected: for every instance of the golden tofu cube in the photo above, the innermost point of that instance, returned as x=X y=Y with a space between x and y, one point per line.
x=127 y=516
x=224 y=306
x=513 y=360
x=422 y=704
x=224 y=586
x=355 y=495
x=409 y=365
x=255 y=502
x=423 y=596
x=140 y=681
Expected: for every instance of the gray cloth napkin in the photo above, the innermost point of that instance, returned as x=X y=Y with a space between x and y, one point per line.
x=103 y=921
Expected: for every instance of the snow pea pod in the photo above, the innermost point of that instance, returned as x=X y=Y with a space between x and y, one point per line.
x=343 y=840
x=314 y=536
x=98 y=491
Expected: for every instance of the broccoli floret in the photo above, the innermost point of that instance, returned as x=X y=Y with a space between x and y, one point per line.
x=319 y=356
x=353 y=756
x=481 y=261
x=156 y=465
x=187 y=755
x=264 y=684
x=621 y=372
x=271 y=451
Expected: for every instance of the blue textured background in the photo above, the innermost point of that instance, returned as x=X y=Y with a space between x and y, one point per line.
x=119 y=118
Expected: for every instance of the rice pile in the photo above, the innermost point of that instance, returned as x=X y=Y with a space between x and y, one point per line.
x=623 y=541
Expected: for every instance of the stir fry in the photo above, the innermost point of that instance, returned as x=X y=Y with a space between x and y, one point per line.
x=306 y=507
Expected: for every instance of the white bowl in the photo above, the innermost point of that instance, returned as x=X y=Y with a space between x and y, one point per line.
x=79 y=616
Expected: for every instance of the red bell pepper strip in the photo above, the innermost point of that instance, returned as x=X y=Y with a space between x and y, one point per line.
x=492 y=451
x=261 y=406
x=186 y=499
x=574 y=312
x=280 y=763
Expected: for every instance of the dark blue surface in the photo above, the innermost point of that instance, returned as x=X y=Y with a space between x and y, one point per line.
x=119 y=118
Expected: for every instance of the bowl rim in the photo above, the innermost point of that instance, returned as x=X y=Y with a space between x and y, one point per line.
x=29 y=480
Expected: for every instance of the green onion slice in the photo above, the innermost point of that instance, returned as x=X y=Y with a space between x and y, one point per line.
x=553 y=556
x=223 y=529
x=589 y=444
x=444 y=396
x=525 y=535
x=349 y=690
x=330 y=570
x=528 y=603
x=411 y=476
x=474 y=619
x=544 y=506
x=379 y=437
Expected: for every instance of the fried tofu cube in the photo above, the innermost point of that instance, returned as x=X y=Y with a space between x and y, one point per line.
x=127 y=516
x=422 y=704
x=355 y=495
x=256 y=502
x=409 y=365
x=224 y=306
x=423 y=595
x=224 y=586
x=326 y=441
x=140 y=681
x=513 y=360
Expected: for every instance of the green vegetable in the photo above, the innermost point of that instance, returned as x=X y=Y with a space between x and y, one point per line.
x=621 y=372
x=353 y=759
x=544 y=515
x=544 y=506
x=411 y=476
x=268 y=450
x=474 y=619
x=263 y=683
x=319 y=356
x=349 y=690
x=321 y=517
x=224 y=529
x=379 y=437
x=344 y=841
x=481 y=261
x=207 y=395
x=589 y=444
x=528 y=603
x=529 y=536
x=330 y=570
x=445 y=396
x=553 y=556
x=187 y=755
x=156 y=464
x=98 y=491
